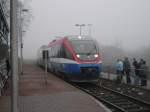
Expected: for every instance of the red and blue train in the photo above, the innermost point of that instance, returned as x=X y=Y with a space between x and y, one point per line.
x=77 y=58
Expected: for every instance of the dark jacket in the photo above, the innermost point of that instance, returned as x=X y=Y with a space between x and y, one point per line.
x=7 y=65
x=127 y=65
x=143 y=71
x=136 y=67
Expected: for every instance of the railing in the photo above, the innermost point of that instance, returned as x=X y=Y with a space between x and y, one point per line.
x=3 y=77
x=109 y=72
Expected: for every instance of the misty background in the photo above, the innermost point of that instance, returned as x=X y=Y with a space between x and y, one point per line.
x=122 y=27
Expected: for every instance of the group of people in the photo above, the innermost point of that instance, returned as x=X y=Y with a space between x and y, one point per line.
x=124 y=67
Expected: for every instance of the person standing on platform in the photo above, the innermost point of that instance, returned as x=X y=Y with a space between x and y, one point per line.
x=127 y=67
x=119 y=68
x=7 y=66
x=136 y=70
x=143 y=73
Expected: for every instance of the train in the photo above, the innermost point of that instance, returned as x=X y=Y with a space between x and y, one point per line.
x=76 y=58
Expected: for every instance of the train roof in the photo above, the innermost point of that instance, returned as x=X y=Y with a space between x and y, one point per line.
x=44 y=47
x=71 y=38
x=74 y=37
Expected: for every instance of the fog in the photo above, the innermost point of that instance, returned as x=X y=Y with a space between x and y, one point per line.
x=122 y=23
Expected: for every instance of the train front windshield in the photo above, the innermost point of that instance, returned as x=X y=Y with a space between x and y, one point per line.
x=84 y=47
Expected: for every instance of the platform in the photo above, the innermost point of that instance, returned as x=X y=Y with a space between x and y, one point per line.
x=55 y=96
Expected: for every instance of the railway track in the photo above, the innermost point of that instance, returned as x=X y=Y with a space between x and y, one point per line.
x=114 y=100
x=131 y=90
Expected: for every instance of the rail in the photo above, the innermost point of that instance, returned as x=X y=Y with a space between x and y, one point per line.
x=3 y=77
x=114 y=100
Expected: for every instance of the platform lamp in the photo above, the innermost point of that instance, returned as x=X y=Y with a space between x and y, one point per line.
x=14 y=55
x=80 y=27
x=90 y=29
x=21 y=40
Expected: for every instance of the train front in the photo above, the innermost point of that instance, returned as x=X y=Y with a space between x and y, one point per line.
x=86 y=54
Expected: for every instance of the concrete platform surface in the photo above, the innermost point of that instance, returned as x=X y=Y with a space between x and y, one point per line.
x=61 y=102
x=55 y=96
x=5 y=104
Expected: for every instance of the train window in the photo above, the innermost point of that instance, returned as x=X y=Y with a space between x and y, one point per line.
x=58 y=52
x=62 y=52
x=52 y=51
x=55 y=51
x=84 y=47
x=49 y=52
x=57 y=48
x=68 y=54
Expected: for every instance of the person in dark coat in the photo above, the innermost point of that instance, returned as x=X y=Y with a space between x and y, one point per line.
x=136 y=66
x=7 y=66
x=141 y=61
x=119 y=69
x=143 y=74
x=127 y=68
x=140 y=69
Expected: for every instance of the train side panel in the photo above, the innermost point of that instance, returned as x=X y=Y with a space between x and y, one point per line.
x=75 y=71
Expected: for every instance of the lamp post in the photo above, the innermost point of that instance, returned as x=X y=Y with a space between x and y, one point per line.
x=80 y=27
x=90 y=25
x=14 y=55
x=21 y=40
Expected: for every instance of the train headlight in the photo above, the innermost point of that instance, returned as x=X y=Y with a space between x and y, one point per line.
x=78 y=55
x=79 y=37
x=96 y=55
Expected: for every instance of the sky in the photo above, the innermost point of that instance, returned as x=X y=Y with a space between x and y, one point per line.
x=124 y=23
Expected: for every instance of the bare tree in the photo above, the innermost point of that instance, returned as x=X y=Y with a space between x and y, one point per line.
x=26 y=14
x=6 y=7
x=27 y=17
